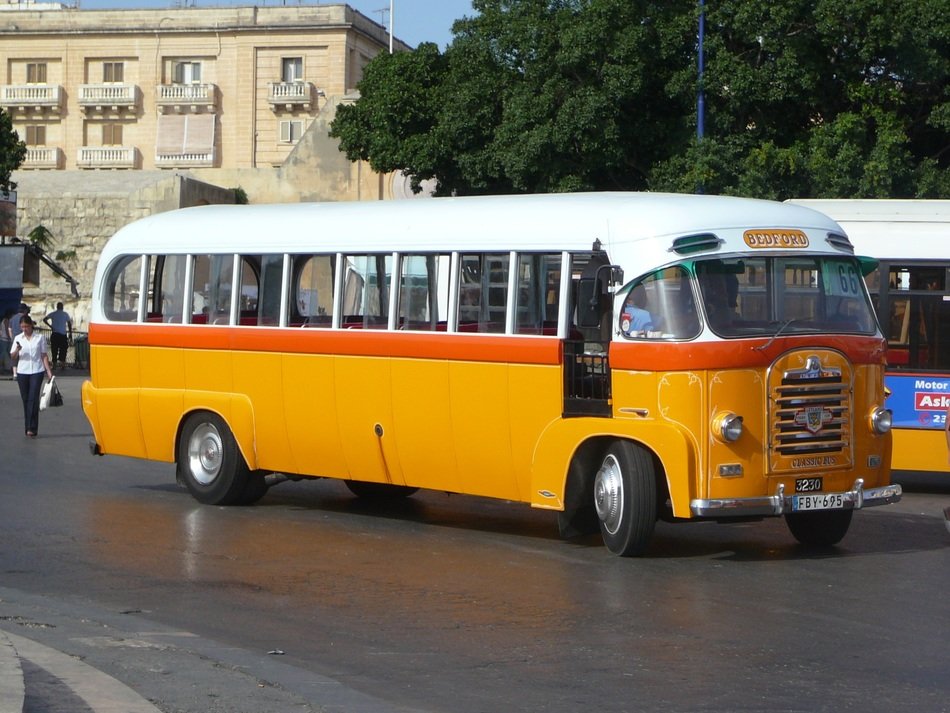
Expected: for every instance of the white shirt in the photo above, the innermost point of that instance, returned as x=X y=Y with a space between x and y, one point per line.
x=31 y=355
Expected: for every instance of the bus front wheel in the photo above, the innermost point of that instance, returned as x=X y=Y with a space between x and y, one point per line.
x=823 y=528
x=210 y=463
x=625 y=498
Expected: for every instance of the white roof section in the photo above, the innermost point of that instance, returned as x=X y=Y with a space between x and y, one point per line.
x=891 y=229
x=550 y=222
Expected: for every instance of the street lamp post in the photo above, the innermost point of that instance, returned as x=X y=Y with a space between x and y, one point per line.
x=700 y=100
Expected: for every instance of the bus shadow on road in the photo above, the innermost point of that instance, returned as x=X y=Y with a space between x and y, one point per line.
x=871 y=533
x=769 y=540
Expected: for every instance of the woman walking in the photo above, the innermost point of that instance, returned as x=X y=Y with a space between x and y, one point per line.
x=31 y=359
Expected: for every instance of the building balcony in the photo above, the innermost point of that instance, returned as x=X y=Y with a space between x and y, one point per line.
x=32 y=98
x=43 y=157
x=108 y=97
x=107 y=157
x=204 y=159
x=290 y=95
x=179 y=98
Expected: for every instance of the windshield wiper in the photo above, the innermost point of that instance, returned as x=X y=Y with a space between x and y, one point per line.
x=778 y=331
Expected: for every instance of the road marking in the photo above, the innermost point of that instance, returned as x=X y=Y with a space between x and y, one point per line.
x=102 y=693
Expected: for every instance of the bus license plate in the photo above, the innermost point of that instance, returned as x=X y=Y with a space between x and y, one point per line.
x=818 y=501
x=808 y=485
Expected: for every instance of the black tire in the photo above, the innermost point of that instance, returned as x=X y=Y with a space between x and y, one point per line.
x=625 y=498
x=210 y=463
x=378 y=491
x=819 y=529
x=256 y=489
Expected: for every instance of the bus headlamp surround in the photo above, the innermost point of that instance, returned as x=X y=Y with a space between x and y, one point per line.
x=880 y=420
x=727 y=427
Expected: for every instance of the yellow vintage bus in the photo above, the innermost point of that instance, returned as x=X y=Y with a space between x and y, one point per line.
x=614 y=357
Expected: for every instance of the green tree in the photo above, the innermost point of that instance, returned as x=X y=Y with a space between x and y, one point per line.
x=842 y=98
x=839 y=98
x=12 y=151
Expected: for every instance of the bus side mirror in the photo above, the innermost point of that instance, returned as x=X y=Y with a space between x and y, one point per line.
x=588 y=302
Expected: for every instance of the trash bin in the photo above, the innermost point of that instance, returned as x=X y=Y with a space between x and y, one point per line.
x=81 y=351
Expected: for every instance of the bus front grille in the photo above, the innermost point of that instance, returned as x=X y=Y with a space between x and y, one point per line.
x=811 y=413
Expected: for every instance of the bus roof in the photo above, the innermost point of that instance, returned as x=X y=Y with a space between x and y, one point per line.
x=891 y=229
x=486 y=223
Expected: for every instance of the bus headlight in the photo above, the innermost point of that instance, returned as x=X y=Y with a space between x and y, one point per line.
x=880 y=420
x=727 y=427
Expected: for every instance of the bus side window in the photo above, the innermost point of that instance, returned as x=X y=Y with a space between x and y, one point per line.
x=538 y=295
x=248 y=289
x=312 y=290
x=121 y=298
x=269 y=290
x=483 y=292
x=211 y=301
x=168 y=288
x=423 y=292
x=660 y=306
x=366 y=291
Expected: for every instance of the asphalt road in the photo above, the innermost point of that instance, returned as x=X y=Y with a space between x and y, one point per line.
x=315 y=601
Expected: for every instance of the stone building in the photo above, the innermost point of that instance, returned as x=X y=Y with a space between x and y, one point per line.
x=193 y=88
x=131 y=112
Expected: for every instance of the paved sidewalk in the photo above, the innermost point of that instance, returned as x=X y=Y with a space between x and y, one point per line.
x=60 y=679
x=11 y=677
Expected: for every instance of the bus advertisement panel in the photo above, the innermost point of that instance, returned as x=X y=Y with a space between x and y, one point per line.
x=918 y=400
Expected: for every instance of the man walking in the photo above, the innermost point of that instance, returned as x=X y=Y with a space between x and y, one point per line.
x=61 y=326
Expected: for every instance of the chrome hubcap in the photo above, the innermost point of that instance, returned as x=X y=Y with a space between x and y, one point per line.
x=608 y=494
x=205 y=454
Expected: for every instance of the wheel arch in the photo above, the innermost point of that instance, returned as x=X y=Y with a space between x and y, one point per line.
x=234 y=409
x=578 y=516
x=572 y=444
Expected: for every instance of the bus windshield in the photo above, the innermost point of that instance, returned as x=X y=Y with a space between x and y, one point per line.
x=750 y=297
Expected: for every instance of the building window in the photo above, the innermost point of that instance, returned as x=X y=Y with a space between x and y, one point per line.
x=113 y=72
x=36 y=135
x=187 y=72
x=291 y=131
x=291 y=69
x=36 y=73
x=112 y=134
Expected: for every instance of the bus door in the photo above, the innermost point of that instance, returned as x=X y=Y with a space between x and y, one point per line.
x=587 y=387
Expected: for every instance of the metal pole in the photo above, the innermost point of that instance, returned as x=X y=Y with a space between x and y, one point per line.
x=391 y=18
x=700 y=101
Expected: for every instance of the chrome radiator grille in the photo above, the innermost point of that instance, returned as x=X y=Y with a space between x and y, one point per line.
x=811 y=415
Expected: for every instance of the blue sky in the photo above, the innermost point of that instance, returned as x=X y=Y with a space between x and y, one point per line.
x=415 y=20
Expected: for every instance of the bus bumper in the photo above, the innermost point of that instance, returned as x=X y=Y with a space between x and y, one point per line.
x=780 y=503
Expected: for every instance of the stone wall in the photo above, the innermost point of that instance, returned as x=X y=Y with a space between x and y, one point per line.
x=83 y=210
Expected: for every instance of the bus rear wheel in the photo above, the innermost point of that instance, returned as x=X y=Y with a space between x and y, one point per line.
x=819 y=529
x=625 y=498
x=211 y=465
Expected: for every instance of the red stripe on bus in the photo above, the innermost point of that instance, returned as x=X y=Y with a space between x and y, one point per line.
x=666 y=356
x=356 y=342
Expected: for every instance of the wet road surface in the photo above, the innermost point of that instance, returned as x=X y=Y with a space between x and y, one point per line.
x=455 y=604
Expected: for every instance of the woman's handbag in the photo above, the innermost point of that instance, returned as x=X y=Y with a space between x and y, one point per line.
x=50 y=395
